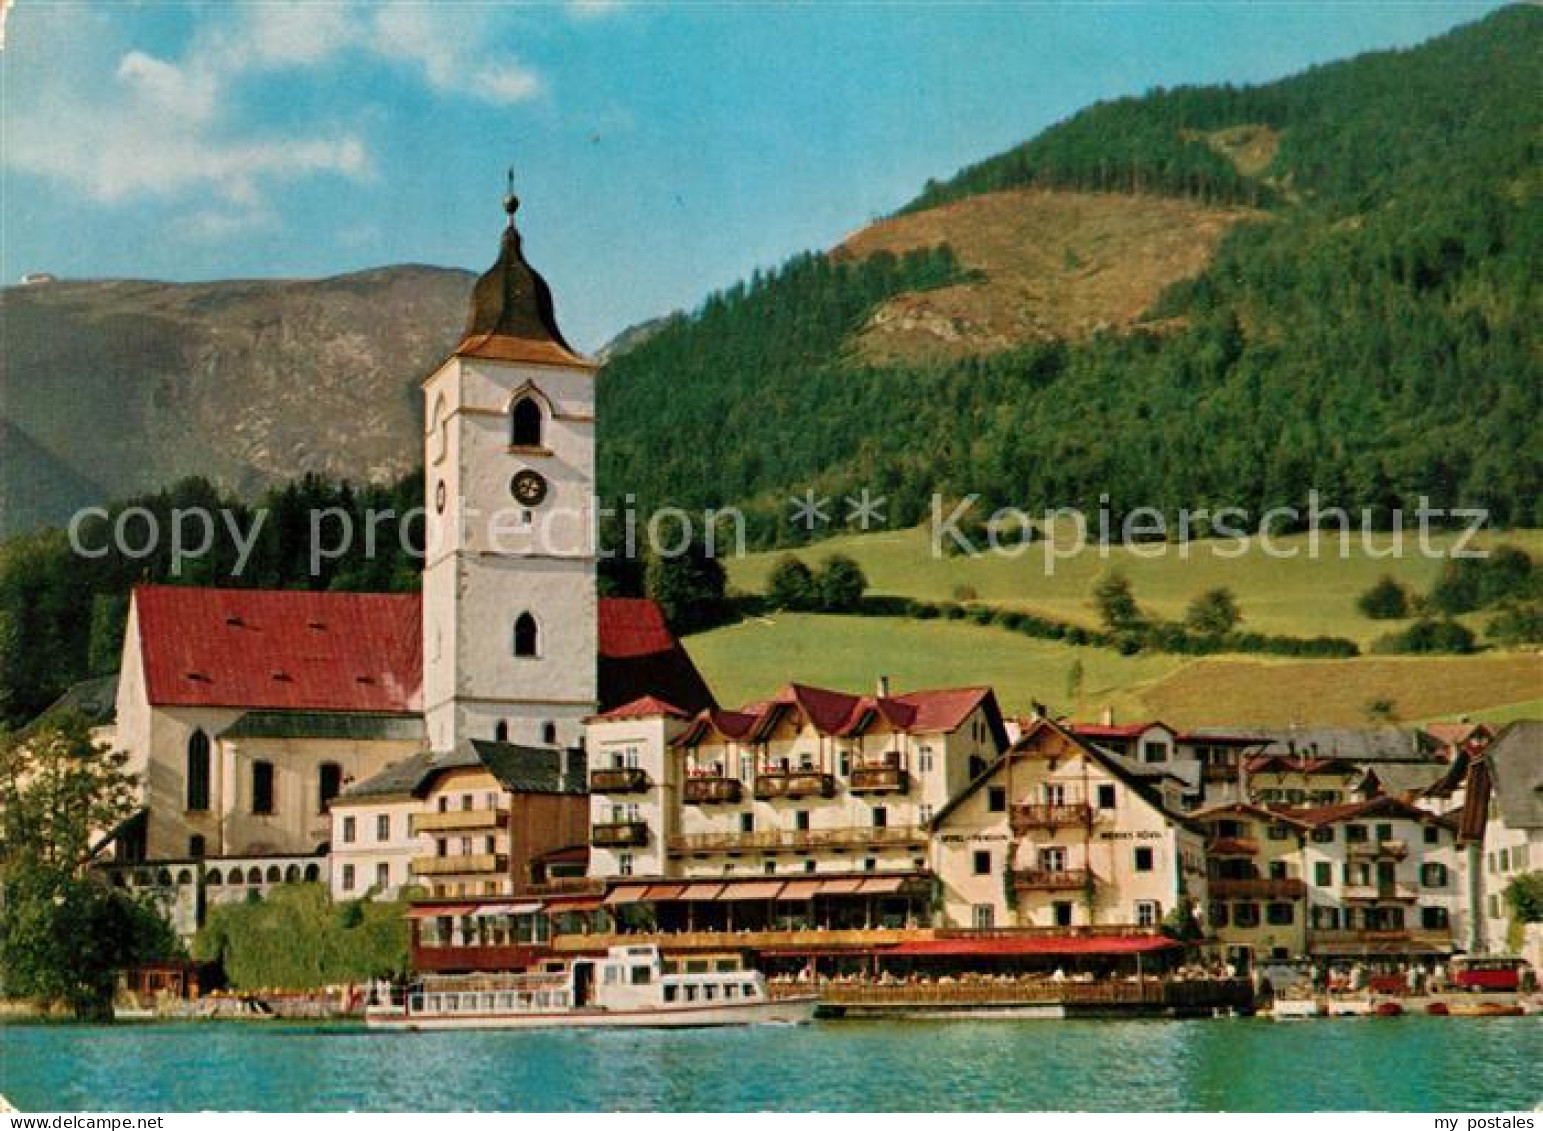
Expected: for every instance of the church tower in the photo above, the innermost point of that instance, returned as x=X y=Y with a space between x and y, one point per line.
x=509 y=597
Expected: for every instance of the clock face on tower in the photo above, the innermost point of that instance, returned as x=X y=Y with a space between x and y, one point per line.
x=528 y=488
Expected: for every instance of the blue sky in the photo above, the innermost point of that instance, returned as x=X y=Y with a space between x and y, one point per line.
x=661 y=150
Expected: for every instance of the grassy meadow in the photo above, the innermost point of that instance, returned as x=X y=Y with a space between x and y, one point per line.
x=1300 y=596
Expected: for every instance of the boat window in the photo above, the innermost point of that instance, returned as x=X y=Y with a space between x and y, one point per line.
x=709 y=992
x=728 y=964
x=691 y=993
x=612 y=975
x=750 y=989
x=696 y=966
x=672 y=967
x=730 y=990
x=669 y=993
x=641 y=975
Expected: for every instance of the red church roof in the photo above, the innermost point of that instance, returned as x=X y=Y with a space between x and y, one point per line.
x=281 y=649
x=296 y=650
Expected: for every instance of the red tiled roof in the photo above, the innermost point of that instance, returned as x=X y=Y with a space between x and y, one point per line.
x=1289 y=764
x=1349 y=810
x=645 y=707
x=280 y=650
x=841 y=713
x=1116 y=730
x=1035 y=944
x=632 y=626
x=307 y=651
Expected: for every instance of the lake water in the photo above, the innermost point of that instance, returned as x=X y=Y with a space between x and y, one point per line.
x=1401 y=1064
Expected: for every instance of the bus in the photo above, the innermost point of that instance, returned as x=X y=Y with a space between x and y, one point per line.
x=1489 y=974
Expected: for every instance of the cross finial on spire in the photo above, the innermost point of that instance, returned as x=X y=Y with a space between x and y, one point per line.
x=511 y=202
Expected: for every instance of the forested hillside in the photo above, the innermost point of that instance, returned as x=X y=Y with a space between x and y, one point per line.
x=1371 y=335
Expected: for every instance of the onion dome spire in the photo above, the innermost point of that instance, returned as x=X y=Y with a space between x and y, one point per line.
x=512 y=316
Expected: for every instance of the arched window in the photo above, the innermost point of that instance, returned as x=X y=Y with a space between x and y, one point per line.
x=525 y=423
x=501 y=731
x=549 y=733
x=525 y=635
x=198 y=772
x=262 y=788
x=329 y=784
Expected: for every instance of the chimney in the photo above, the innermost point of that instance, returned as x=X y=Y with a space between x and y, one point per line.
x=883 y=687
x=1107 y=717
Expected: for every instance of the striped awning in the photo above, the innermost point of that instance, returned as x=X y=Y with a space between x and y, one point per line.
x=755 y=889
x=665 y=891
x=701 y=892
x=627 y=893
x=841 y=887
x=801 y=889
x=883 y=885
x=435 y=911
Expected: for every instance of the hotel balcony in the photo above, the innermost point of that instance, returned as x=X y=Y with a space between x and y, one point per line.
x=1214 y=773
x=712 y=791
x=1233 y=846
x=619 y=834
x=898 y=836
x=471 y=864
x=879 y=777
x=1383 y=849
x=1380 y=893
x=455 y=820
x=789 y=784
x=1040 y=879
x=1256 y=889
x=1033 y=815
x=628 y=779
x=1344 y=939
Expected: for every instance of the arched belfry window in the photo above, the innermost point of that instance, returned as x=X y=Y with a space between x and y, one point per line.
x=525 y=422
x=525 y=635
x=198 y=772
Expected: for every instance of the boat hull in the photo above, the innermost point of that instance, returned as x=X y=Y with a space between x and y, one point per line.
x=785 y=1011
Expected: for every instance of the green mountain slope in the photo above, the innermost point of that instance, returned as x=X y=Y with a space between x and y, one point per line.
x=1368 y=331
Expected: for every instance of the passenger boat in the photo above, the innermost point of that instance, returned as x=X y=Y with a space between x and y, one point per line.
x=1295 y=1008
x=631 y=987
x=1483 y=1009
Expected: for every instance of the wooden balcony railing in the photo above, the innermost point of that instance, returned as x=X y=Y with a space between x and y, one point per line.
x=619 y=834
x=1214 y=773
x=712 y=791
x=1233 y=846
x=1256 y=889
x=1385 y=849
x=452 y=820
x=879 y=779
x=619 y=779
x=1041 y=879
x=565 y=885
x=793 y=783
x=1037 y=815
x=471 y=864
x=774 y=839
x=1380 y=892
x=1427 y=937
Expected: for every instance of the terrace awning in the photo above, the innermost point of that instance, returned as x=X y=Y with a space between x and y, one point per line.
x=701 y=892
x=1009 y=945
x=801 y=889
x=756 y=889
x=435 y=911
x=627 y=893
x=506 y=909
x=558 y=906
x=665 y=891
x=841 y=887
x=883 y=885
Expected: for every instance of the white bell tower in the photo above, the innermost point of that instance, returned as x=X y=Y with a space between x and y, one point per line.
x=509 y=597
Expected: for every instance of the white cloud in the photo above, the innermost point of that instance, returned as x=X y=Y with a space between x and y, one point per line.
x=448 y=52
x=173 y=128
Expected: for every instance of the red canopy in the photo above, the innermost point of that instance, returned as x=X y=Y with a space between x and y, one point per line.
x=1035 y=944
